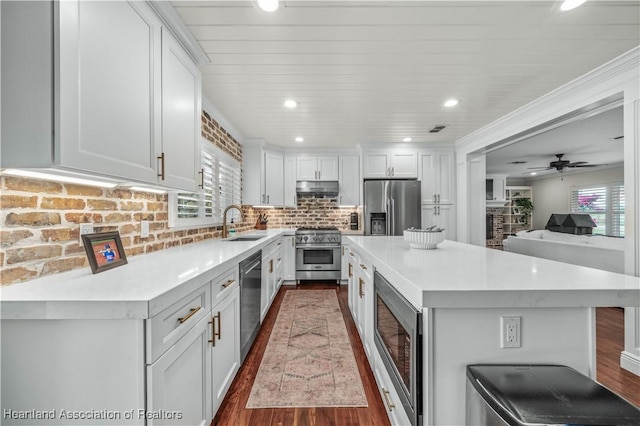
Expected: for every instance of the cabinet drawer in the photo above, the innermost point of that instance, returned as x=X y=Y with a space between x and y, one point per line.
x=390 y=398
x=224 y=283
x=166 y=328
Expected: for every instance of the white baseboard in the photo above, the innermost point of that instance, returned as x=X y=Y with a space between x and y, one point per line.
x=630 y=362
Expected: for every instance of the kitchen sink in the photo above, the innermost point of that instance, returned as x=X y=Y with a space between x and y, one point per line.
x=257 y=237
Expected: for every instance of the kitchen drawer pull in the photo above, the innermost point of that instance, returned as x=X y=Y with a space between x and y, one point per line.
x=361 y=284
x=350 y=270
x=390 y=404
x=270 y=265
x=213 y=329
x=279 y=259
x=201 y=173
x=191 y=313
x=351 y=254
x=219 y=333
x=161 y=158
x=363 y=266
x=228 y=283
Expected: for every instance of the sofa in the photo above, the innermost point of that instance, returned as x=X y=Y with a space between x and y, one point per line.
x=594 y=251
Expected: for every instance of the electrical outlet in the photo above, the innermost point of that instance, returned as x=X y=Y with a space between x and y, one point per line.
x=510 y=332
x=85 y=228
x=144 y=228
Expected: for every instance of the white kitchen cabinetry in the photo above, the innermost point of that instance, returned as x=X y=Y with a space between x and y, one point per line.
x=361 y=291
x=180 y=380
x=181 y=109
x=398 y=164
x=225 y=343
x=289 y=257
x=496 y=187
x=95 y=115
x=350 y=182
x=392 y=402
x=274 y=179
x=263 y=180
x=317 y=168
x=438 y=177
x=290 y=167
x=350 y=259
x=270 y=278
x=442 y=216
x=344 y=262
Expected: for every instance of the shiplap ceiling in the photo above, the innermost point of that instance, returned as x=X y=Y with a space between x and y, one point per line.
x=379 y=71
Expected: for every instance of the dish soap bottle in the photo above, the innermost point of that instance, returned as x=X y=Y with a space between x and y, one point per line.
x=232 y=229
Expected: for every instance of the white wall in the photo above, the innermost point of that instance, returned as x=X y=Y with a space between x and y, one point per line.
x=551 y=195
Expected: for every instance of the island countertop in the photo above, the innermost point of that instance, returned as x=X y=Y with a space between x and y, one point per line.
x=457 y=275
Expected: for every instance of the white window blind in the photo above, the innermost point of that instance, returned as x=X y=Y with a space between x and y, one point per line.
x=221 y=186
x=604 y=203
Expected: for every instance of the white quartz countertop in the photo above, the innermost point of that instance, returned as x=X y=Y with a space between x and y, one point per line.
x=457 y=275
x=131 y=291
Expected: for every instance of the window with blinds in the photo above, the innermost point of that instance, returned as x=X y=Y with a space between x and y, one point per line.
x=604 y=203
x=221 y=186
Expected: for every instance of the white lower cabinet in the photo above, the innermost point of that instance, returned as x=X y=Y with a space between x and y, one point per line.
x=441 y=215
x=360 y=274
x=270 y=275
x=289 y=257
x=225 y=345
x=390 y=398
x=179 y=382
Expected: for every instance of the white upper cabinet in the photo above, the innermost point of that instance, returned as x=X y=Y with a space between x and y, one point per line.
x=274 y=179
x=180 y=116
x=317 y=168
x=398 y=164
x=349 y=180
x=438 y=177
x=290 y=168
x=117 y=96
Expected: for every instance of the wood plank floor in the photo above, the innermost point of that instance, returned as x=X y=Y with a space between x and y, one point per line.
x=233 y=411
x=609 y=343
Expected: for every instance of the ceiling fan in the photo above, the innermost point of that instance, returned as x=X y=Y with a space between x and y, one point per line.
x=561 y=164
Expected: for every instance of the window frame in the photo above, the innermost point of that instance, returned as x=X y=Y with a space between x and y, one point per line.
x=609 y=209
x=208 y=150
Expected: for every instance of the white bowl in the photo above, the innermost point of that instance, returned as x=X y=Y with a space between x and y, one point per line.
x=424 y=240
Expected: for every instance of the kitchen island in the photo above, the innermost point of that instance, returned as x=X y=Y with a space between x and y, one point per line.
x=463 y=292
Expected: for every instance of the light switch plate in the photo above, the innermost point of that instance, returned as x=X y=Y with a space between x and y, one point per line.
x=144 y=229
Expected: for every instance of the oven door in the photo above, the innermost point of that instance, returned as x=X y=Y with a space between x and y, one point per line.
x=398 y=339
x=318 y=258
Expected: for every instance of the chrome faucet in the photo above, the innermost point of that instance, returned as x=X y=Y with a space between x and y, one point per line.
x=225 y=228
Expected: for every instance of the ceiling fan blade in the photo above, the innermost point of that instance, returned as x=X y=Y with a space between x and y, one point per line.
x=538 y=168
x=584 y=165
x=577 y=163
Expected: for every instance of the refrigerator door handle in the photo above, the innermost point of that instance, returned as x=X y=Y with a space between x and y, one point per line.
x=393 y=218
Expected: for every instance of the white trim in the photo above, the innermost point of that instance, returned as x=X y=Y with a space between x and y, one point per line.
x=170 y=19
x=630 y=362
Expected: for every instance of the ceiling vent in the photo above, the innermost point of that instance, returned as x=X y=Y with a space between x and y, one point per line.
x=437 y=128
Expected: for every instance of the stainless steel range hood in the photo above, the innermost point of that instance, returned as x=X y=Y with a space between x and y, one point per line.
x=316 y=187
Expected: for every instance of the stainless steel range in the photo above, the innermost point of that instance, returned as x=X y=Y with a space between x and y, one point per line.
x=318 y=254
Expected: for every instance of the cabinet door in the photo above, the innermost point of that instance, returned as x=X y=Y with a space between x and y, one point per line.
x=180 y=380
x=344 y=263
x=274 y=179
x=446 y=177
x=441 y=215
x=290 y=167
x=289 y=255
x=226 y=348
x=349 y=180
x=404 y=165
x=180 y=116
x=376 y=165
x=327 y=168
x=428 y=162
x=307 y=168
x=109 y=89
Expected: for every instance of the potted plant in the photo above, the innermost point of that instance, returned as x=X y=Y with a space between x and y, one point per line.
x=525 y=205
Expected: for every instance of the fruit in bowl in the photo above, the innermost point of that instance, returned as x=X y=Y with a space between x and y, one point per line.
x=424 y=239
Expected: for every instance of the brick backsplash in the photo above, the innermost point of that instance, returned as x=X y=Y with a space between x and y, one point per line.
x=40 y=219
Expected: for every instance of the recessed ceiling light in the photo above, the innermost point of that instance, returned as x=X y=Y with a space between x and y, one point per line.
x=451 y=103
x=571 y=4
x=299 y=139
x=290 y=103
x=533 y=173
x=406 y=140
x=268 y=5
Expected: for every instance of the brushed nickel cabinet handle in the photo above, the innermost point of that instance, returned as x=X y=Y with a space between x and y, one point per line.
x=161 y=158
x=361 y=284
x=390 y=404
x=228 y=283
x=191 y=313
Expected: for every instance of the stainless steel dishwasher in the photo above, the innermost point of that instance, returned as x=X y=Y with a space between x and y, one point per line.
x=250 y=288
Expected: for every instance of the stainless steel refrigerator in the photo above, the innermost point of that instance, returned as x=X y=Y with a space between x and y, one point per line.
x=391 y=206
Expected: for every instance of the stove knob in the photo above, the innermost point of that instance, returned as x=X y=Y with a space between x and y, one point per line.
x=305 y=238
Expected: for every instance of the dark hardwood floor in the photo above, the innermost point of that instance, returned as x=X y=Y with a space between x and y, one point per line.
x=609 y=344
x=233 y=411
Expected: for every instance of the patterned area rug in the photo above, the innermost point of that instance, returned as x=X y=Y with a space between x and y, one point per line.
x=308 y=361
